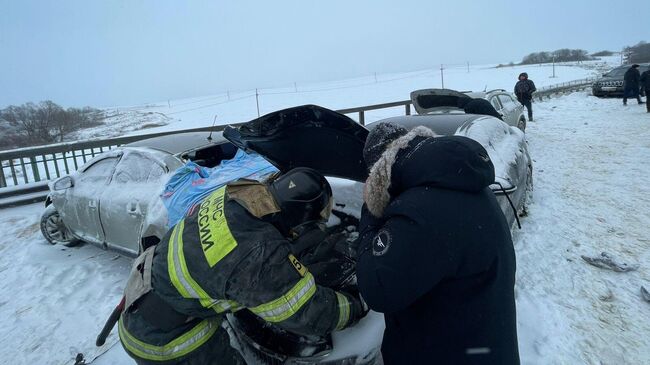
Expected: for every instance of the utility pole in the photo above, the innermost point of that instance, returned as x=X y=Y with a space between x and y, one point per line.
x=553 y=66
x=375 y=77
x=257 y=101
x=621 y=57
x=168 y=103
x=295 y=87
x=467 y=66
x=442 y=76
x=228 y=94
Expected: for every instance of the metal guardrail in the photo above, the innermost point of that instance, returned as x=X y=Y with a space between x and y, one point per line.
x=41 y=163
x=565 y=87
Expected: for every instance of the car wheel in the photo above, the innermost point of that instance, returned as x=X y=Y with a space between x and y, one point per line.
x=522 y=124
x=53 y=229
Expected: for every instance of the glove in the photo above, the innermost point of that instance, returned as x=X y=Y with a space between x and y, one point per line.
x=368 y=226
x=309 y=237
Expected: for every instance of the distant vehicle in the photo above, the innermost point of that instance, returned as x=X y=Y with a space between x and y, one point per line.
x=429 y=101
x=611 y=84
x=112 y=201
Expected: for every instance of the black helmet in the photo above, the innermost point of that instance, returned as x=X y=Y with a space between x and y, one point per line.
x=304 y=196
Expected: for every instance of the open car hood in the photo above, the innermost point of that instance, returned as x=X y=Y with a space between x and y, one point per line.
x=435 y=100
x=306 y=136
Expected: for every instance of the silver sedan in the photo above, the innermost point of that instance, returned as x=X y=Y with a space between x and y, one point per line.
x=113 y=200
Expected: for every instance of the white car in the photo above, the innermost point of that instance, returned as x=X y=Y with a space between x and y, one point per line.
x=431 y=101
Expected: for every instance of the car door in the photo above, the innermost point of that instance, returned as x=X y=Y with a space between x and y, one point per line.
x=125 y=202
x=80 y=208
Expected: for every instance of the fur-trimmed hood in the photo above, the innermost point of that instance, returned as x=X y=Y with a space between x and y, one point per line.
x=420 y=158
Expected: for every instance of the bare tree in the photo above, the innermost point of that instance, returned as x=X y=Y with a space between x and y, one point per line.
x=45 y=122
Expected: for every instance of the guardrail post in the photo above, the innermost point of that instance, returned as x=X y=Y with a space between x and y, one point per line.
x=3 y=180
x=22 y=166
x=47 y=169
x=362 y=118
x=56 y=165
x=35 y=172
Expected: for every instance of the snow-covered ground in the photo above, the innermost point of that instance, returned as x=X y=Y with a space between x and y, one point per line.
x=591 y=195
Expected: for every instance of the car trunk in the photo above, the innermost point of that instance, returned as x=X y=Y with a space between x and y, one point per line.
x=306 y=136
x=436 y=100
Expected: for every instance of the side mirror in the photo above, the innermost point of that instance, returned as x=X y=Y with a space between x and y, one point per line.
x=63 y=183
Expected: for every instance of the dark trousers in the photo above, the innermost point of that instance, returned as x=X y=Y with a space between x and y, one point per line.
x=529 y=106
x=631 y=92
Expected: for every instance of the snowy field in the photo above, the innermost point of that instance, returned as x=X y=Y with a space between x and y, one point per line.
x=591 y=195
x=240 y=106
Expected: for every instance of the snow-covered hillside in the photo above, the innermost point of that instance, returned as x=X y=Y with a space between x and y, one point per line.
x=240 y=106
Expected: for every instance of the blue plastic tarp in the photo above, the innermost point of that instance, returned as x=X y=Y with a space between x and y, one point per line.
x=192 y=183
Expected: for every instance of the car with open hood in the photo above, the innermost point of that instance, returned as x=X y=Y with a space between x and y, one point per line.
x=445 y=101
x=312 y=136
x=335 y=144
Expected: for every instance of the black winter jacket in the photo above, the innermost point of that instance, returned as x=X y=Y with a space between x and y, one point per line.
x=524 y=90
x=632 y=78
x=439 y=261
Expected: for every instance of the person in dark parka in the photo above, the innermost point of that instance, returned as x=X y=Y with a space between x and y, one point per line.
x=524 y=89
x=631 y=81
x=478 y=106
x=645 y=83
x=435 y=251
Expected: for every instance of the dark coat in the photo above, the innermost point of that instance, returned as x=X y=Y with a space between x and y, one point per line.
x=482 y=107
x=631 y=81
x=524 y=90
x=439 y=262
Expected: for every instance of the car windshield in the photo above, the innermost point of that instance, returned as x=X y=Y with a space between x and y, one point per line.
x=617 y=72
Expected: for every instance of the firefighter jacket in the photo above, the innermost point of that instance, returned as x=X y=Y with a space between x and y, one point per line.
x=220 y=258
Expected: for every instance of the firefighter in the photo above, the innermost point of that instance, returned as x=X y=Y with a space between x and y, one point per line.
x=232 y=252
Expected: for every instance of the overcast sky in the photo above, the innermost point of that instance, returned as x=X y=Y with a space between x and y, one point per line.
x=105 y=53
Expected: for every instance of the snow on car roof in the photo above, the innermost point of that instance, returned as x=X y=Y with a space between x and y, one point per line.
x=180 y=142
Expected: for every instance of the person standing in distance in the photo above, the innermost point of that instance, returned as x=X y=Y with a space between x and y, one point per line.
x=631 y=81
x=645 y=83
x=524 y=90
